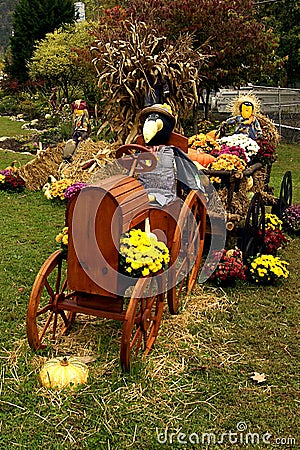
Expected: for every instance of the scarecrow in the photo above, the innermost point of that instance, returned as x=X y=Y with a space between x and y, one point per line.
x=81 y=121
x=244 y=110
x=53 y=99
x=81 y=129
x=172 y=163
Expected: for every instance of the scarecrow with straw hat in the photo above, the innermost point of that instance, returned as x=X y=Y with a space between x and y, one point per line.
x=244 y=110
x=158 y=123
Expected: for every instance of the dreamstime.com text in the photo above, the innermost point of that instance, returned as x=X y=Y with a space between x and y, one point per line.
x=240 y=436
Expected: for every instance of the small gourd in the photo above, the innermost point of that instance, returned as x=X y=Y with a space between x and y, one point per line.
x=249 y=183
x=61 y=372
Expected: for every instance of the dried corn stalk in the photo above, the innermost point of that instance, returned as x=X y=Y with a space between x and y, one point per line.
x=126 y=66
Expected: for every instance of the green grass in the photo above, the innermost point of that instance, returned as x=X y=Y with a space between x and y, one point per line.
x=11 y=128
x=288 y=159
x=196 y=380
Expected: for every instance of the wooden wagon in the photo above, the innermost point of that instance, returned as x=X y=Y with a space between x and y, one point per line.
x=245 y=215
x=88 y=280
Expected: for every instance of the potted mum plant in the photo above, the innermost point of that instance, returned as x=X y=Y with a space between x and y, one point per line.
x=291 y=218
x=229 y=269
x=141 y=254
x=10 y=181
x=268 y=269
x=274 y=238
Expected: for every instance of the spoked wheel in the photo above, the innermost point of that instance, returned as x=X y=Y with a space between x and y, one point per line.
x=186 y=250
x=142 y=318
x=136 y=158
x=254 y=230
x=285 y=196
x=44 y=321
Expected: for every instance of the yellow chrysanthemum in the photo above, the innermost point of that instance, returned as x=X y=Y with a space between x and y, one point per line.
x=59 y=237
x=268 y=267
x=273 y=222
x=143 y=253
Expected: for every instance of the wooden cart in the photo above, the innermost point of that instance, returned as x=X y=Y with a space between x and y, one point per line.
x=247 y=225
x=88 y=280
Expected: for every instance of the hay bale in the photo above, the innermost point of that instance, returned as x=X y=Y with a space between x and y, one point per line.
x=37 y=171
x=260 y=184
x=269 y=130
x=109 y=170
x=240 y=201
x=88 y=158
x=214 y=205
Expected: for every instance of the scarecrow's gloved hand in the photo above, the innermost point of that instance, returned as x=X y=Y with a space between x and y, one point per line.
x=221 y=131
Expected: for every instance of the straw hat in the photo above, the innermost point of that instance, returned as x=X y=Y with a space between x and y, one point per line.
x=235 y=104
x=161 y=109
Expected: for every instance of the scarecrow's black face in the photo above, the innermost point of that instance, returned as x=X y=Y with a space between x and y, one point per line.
x=157 y=129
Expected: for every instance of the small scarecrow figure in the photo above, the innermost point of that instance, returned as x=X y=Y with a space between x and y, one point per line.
x=53 y=99
x=244 y=110
x=81 y=129
x=81 y=121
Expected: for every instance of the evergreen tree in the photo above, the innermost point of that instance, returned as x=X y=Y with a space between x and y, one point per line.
x=6 y=7
x=32 y=20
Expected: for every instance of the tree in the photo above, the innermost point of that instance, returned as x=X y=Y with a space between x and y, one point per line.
x=242 y=48
x=55 y=59
x=32 y=20
x=7 y=7
x=284 y=17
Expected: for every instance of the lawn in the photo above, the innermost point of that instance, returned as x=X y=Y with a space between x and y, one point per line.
x=11 y=128
x=288 y=159
x=194 y=387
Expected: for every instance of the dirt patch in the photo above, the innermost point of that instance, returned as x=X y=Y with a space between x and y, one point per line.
x=11 y=144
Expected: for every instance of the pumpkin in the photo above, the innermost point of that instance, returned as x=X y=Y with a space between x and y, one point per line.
x=201 y=157
x=192 y=154
x=205 y=158
x=61 y=372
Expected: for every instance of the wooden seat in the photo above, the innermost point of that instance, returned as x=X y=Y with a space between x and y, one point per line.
x=178 y=140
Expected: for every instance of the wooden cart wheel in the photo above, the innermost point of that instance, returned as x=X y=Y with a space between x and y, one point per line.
x=44 y=321
x=253 y=233
x=286 y=194
x=138 y=159
x=142 y=318
x=186 y=250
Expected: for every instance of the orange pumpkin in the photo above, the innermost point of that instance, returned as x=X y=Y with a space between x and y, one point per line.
x=201 y=157
x=205 y=159
x=192 y=154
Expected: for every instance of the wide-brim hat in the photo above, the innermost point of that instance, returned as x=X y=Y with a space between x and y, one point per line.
x=159 y=108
